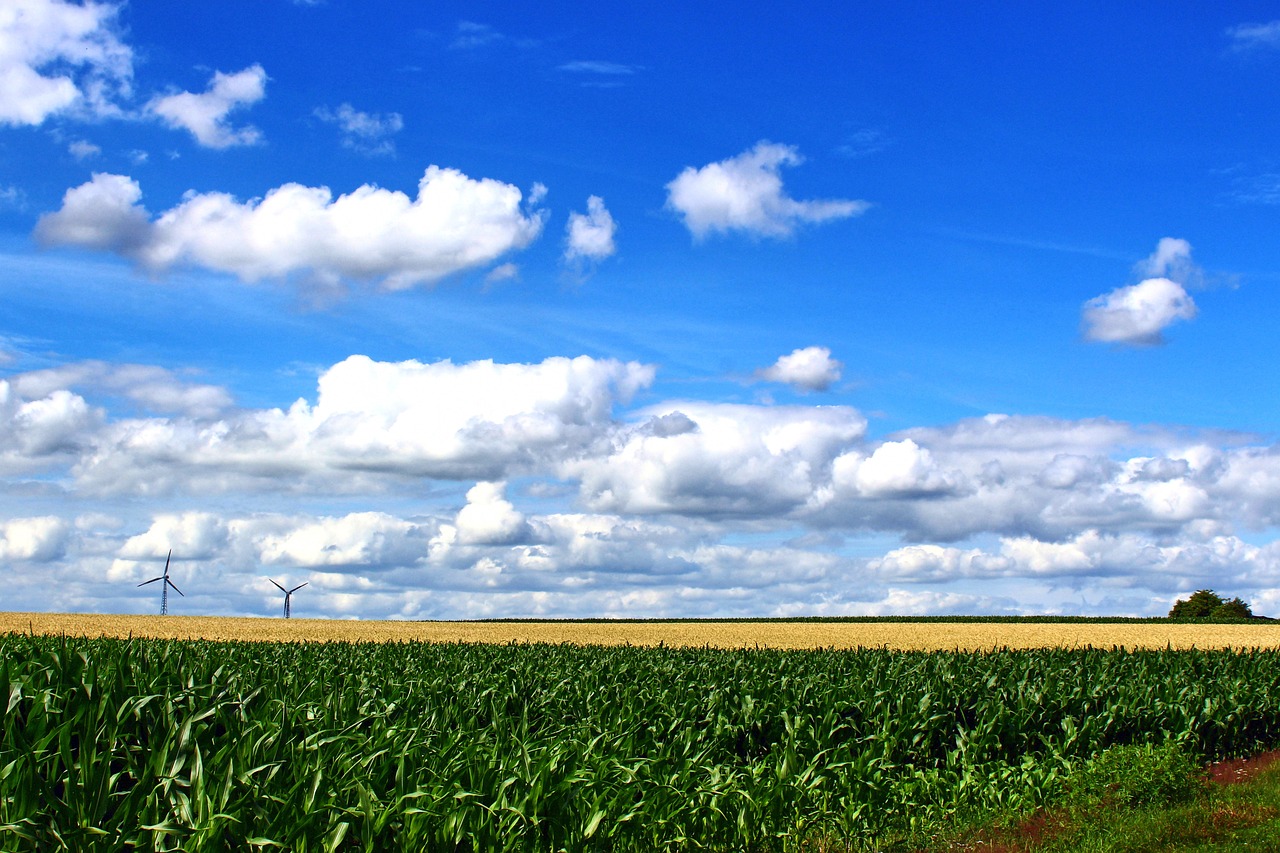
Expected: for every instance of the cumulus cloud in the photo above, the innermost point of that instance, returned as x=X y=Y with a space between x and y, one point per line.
x=190 y=535
x=372 y=421
x=1139 y=314
x=368 y=133
x=43 y=430
x=745 y=193
x=589 y=236
x=808 y=369
x=680 y=507
x=60 y=58
x=718 y=459
x=894 y=469
x=205 y=115
x=370 y=234
x=37 y=540
x=489 y=518
x=151 y=387
x=361 y=539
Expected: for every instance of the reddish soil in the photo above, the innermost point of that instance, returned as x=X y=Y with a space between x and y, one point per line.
x=1238 y=769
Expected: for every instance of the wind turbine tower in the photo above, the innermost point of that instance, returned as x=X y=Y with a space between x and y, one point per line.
x=164 y=586
x=288 y=594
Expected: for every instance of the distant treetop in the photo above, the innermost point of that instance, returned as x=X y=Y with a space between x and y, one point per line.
x=1207 y=604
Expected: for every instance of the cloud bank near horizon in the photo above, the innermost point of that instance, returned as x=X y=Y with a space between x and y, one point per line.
x=570 y=502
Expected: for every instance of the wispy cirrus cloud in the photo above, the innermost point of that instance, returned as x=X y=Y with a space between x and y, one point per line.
x=1249 y=37
x=367 y=133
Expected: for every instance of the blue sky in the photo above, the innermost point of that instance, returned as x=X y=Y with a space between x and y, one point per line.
x=505 y=310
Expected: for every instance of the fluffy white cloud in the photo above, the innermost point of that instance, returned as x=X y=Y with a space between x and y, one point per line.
x=35 y=433
x=589 y=236
x=1139 y=314
x=368 y=133
x=809 y=369
x=894 y=469
x=745 y=193
x=152 y=387
x=718 y=459
x=367 y=539
x=377 y=421
x=38 y=540
x=58 y=57
x=454 y=224
x=205 y=114
x=489 y=518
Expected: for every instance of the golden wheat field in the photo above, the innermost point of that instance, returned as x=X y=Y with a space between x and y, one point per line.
x=779 y=635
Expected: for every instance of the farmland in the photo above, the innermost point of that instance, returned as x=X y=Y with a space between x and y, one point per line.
x=906 y=636
x=211 y=745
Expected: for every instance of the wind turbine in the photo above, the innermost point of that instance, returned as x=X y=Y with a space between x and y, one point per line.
x=164 y=587
x=288 y=594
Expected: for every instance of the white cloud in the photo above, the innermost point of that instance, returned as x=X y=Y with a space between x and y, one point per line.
x=470 y=34
x=454 y=224
x=37 y=540
x=83 y=150
x=745 y=193
x=589 y=236
x=489 y=518
x=595 y=66
x=154 y=388
x=190 y=535
x=58 y=58
x=502 y=272
x=682 y=507
x=808 y=369
x=368 y=133
x=37 y=432
x=1254 y=36
x=375 y=422
x=368 y=539
x=894 y=469
x=713 y=459
x=1137 y=314
x=205 y=115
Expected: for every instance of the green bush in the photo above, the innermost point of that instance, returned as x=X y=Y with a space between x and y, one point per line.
x=1141 y=775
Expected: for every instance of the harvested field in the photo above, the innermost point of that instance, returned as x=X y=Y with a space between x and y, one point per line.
x=778 y=635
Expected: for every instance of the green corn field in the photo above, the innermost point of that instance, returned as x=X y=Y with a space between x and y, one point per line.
x=196 y=745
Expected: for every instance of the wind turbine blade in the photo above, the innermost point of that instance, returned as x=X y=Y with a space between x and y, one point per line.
x=153 y=580
x=175 y=588
x=282 y=589
x=166 y=562
x=298 y=587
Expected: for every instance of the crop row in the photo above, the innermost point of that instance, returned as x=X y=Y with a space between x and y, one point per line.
x=198 y=745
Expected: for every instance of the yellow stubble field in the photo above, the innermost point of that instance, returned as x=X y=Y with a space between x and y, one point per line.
x=927 y=636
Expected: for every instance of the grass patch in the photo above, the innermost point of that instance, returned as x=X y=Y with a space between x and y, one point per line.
x=1143 y=799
